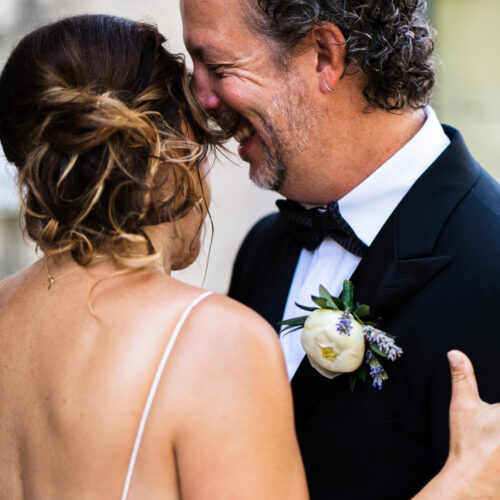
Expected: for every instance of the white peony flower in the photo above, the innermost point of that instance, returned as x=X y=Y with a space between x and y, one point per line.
x=334 y=342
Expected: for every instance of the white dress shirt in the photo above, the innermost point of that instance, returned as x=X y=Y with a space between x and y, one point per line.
x=366 y=209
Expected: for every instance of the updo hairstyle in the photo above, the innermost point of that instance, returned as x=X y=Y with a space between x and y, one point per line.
x=106 y=136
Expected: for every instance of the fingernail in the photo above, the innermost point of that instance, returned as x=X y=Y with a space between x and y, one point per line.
x=454 y=359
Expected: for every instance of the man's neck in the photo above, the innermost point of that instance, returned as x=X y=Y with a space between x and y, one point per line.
x=359 y=146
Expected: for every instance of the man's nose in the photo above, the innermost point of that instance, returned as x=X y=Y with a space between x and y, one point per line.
x=207 y=97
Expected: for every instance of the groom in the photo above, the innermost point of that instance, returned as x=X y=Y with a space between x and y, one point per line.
x=329 y=102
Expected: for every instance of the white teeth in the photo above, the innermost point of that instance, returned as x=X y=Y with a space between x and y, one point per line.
x=244 y=133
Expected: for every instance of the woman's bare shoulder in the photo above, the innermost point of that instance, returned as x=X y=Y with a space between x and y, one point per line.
x=234 y=325
x=228 y=367
x=217 y=322
x=225 y=310
x=221 y=337
x=217 y=314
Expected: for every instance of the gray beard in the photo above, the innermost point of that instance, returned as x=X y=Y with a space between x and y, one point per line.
x=271 y=174
x=279 y=145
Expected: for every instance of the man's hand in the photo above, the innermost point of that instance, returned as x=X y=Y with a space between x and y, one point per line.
x=472 y=470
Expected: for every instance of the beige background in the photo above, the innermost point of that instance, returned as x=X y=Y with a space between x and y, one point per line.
x=466 y=97
x=467 y=93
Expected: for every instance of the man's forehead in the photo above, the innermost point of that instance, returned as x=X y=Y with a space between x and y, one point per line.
x=210 y=9
x=211 y=13
x=216 y=21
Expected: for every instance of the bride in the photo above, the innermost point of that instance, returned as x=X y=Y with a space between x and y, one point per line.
x=115 y=378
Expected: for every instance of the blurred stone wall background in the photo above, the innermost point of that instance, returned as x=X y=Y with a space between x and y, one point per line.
x=466 y=97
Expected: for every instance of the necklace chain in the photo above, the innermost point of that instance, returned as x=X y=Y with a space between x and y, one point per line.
x=51 y=279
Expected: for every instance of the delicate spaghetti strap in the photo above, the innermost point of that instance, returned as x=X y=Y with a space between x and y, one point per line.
x=152 y=391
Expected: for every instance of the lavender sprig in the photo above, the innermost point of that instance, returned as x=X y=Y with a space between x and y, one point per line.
x=377 y=372
x=384 y=343
x=344 y=326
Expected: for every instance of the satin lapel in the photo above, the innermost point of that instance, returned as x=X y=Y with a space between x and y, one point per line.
x=400 y=260
x=404 y=250
x=385 y=281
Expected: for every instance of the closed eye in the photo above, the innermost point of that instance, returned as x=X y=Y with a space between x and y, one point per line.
x=218 y=70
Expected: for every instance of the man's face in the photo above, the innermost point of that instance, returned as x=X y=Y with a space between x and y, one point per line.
x=239 y=81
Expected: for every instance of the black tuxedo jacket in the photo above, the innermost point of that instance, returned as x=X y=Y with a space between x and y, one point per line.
x=432 y=277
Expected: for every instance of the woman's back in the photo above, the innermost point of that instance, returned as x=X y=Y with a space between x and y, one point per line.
x=73 y=388
x=110 y=148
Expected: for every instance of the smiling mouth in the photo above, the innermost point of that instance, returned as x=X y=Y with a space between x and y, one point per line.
x=244 y=131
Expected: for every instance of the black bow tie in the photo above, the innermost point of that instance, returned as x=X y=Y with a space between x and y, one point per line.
x=310 y=226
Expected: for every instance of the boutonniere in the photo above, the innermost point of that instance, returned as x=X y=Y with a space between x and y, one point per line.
x=337 y=341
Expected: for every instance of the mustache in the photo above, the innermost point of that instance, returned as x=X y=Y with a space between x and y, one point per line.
x=226 y=120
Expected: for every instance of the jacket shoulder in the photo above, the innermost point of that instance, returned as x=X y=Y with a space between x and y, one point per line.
x=266 y=233
x=256 y=252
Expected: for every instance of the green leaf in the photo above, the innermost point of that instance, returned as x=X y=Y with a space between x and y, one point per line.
x=376 y=350
x=362 y=310
x=306 y=308
x=357 y=318
x=323 y=292
x=362 y=372
x=330 y=300
x=339 y=304
x=347 y=295
x=323 y=303
x=293 y=321
x=291 y=329
x=352 y=381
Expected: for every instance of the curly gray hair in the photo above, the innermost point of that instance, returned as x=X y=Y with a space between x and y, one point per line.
x=388 y=40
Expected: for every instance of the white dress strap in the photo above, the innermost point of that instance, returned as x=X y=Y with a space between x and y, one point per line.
x=154 y=387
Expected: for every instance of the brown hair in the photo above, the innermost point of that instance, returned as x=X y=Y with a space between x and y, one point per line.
x=100 y=122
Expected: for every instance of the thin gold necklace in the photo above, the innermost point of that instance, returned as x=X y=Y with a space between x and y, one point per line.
x=51 y=280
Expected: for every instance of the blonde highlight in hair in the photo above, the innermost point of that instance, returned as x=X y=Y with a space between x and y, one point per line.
x=114 y=142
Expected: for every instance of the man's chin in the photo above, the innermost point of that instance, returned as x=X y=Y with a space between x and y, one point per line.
x=266 y=170
x=265 y=177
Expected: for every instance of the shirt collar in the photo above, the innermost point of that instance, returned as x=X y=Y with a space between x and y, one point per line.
x=367 y=207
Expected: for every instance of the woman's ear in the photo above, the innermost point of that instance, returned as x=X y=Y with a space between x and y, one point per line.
x=330 y=48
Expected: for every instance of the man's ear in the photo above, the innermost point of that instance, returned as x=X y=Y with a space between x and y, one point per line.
x=330 y=48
